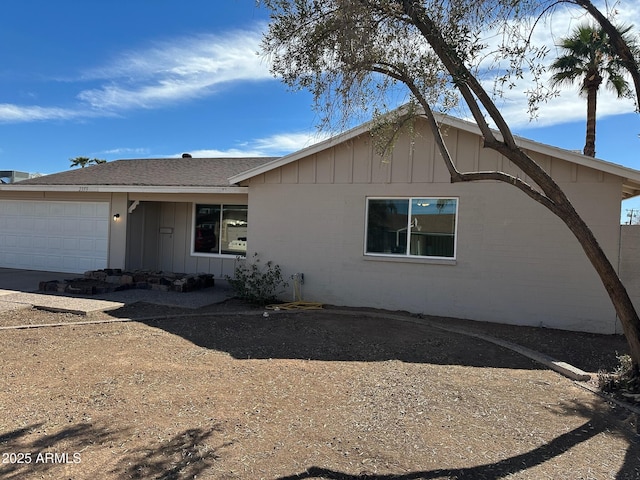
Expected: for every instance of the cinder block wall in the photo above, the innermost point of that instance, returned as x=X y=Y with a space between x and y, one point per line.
x=630 y=261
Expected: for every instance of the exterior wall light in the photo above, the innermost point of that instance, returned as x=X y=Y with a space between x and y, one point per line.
x=116 y=217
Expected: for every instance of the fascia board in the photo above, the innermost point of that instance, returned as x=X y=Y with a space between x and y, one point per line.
x=16 y=187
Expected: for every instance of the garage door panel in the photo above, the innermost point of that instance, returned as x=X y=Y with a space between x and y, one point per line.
x=40 y=262
x=9 y=208
x=102 y=228
x=89 y=228
x=56 y=209
x=54 y=227
x=86 y=245
x=56 y=236
x=69 y=244
x=97 y=210
x=54 y=243
x=12 y=241
x=22 y=259
x=11 y=223
x=41 y=209
x=70 y=224
x=69 y=209
x=51 y=262
x=84 y=264
x=40 y=242
x=27 y=208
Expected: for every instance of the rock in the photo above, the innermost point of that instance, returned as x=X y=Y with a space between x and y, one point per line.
x=109 y=280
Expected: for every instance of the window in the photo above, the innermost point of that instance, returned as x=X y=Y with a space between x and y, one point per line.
x=220 y=229
x=412 y=227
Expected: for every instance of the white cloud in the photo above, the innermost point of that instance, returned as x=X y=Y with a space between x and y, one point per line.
x=569 y=105
x=125 y=151
x=228 y=153
x=182 y=69
x=24 y=113
x=171 y=71
x=194 y=67
x=290 y=142
x=272 y=146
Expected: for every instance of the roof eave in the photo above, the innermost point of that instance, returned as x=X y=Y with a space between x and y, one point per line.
x=16 y=187
x=630 y=189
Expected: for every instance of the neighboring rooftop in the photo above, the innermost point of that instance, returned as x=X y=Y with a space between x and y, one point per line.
x=13 y=176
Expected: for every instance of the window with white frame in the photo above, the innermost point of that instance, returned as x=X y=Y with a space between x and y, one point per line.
x=220 y=229
x=411 y=227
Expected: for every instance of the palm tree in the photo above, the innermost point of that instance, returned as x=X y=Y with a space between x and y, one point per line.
x=84 y=161
x=589 y=58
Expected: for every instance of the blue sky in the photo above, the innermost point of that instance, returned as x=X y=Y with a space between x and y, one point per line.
x=156 y=78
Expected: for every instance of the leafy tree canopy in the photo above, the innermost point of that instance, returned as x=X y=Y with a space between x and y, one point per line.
x=84 y=161
x=588 y=59
x=353 y=55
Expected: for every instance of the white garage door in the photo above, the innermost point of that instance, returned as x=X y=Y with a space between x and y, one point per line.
x=54 y=236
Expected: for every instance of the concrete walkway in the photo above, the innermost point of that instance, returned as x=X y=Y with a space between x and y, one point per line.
x=19 y=289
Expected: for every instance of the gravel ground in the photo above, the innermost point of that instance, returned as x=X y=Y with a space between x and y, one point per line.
x=225 y=393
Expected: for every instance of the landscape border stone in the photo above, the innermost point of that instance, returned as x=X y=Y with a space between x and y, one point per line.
x=96 y=282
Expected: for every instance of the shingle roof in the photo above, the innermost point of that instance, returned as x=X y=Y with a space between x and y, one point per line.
x=174 y=172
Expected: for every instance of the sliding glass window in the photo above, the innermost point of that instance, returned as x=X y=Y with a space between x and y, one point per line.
x=412 y=227
x=220 y=229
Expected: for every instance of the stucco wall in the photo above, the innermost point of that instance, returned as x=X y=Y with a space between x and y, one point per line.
x=516 y=263
x=630 y=261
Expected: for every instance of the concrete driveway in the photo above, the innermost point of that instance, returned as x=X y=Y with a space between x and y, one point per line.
x=19 y=289
x=27 y=280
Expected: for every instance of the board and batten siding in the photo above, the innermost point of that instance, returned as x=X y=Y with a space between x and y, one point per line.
x=516 y=262
x=160 y=234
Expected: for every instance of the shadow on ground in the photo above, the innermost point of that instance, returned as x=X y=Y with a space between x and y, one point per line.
x=31 y=444
x=56 y=455
x=354 y=334
x=599 y=421
x=186 y=455
x=337 y=337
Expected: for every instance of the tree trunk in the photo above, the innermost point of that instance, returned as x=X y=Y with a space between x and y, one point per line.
x=561 y=206
x=613 y=285
x=591 y=85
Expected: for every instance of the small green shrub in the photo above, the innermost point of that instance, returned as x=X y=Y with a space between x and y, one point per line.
x=255 y=283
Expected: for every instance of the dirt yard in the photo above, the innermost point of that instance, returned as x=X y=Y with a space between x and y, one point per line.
x=311 y=395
